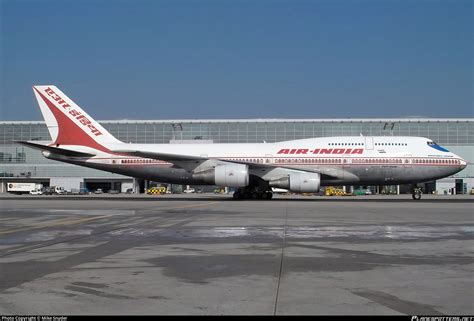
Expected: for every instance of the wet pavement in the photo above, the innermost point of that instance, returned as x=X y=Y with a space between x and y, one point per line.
x=207 y=254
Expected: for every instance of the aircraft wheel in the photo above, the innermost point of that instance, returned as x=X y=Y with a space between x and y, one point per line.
x=236 y=196
x=416 y=196
x=268 y=195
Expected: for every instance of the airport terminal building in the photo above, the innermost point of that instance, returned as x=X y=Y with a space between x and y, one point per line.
x=23 y=164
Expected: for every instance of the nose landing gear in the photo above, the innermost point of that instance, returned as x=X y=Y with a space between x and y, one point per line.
x=416 y=193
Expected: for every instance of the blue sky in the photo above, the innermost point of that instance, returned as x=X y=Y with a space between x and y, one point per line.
x=240 y=59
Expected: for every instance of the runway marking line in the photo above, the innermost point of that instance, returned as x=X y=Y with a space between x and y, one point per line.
x=61 y=222
x=188 y=206
x=67 y=221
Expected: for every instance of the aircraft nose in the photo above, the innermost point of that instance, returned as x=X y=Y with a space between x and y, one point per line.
x=463 y=163
x=460 y=161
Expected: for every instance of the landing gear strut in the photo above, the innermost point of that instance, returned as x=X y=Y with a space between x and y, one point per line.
x=416 y=193
x=252 y=193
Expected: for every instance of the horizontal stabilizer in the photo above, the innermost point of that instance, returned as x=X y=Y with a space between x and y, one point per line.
x=56 y=150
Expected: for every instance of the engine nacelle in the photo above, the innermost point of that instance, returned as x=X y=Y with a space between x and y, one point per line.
x=232 y=175
x=299 y=182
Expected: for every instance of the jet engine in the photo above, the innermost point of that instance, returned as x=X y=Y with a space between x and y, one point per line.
x=299 y=182
x=232 y=175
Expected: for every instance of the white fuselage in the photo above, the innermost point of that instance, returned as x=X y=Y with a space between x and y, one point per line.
x=301 y=165
x=348 y=160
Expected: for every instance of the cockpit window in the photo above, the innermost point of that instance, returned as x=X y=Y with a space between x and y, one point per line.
x=436 y=146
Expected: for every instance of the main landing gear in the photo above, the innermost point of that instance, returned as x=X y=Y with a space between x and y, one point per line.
x=252 y=193
x=416 y=193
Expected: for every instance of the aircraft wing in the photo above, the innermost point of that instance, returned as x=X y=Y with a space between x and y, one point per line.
x=55 y=150
x=190 y=162
x=326 y=173
x=160 y=156
x=187 y=162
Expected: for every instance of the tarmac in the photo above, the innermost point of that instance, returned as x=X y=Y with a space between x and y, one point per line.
x=208 y=254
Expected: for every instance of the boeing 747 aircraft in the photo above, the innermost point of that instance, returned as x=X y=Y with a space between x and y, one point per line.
x=302 y=165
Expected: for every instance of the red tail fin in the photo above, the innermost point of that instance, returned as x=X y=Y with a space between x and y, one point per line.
x=67 y=123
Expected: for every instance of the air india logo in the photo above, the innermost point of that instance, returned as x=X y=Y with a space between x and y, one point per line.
x=73 y=112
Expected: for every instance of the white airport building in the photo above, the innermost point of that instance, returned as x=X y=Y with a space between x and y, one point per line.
x=22 y=164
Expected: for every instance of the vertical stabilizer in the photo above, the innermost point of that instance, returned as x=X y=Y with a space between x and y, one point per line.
x=69 y=124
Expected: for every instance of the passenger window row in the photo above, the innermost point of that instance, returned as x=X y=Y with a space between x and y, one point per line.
x=436 y=161
x=353 y=161
x=247 y=160
x=377 y=161
x=346 y=144
x=391 y=144
x=140 y=161
x=310 y=160
x=319 y=161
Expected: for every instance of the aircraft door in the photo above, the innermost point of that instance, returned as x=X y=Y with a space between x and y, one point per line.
x=369 y=143
x=268 y=159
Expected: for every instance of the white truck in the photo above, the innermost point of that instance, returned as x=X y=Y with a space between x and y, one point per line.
x=23 y=188
x=37 y=191
x=59 y=190
x=52 y=190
